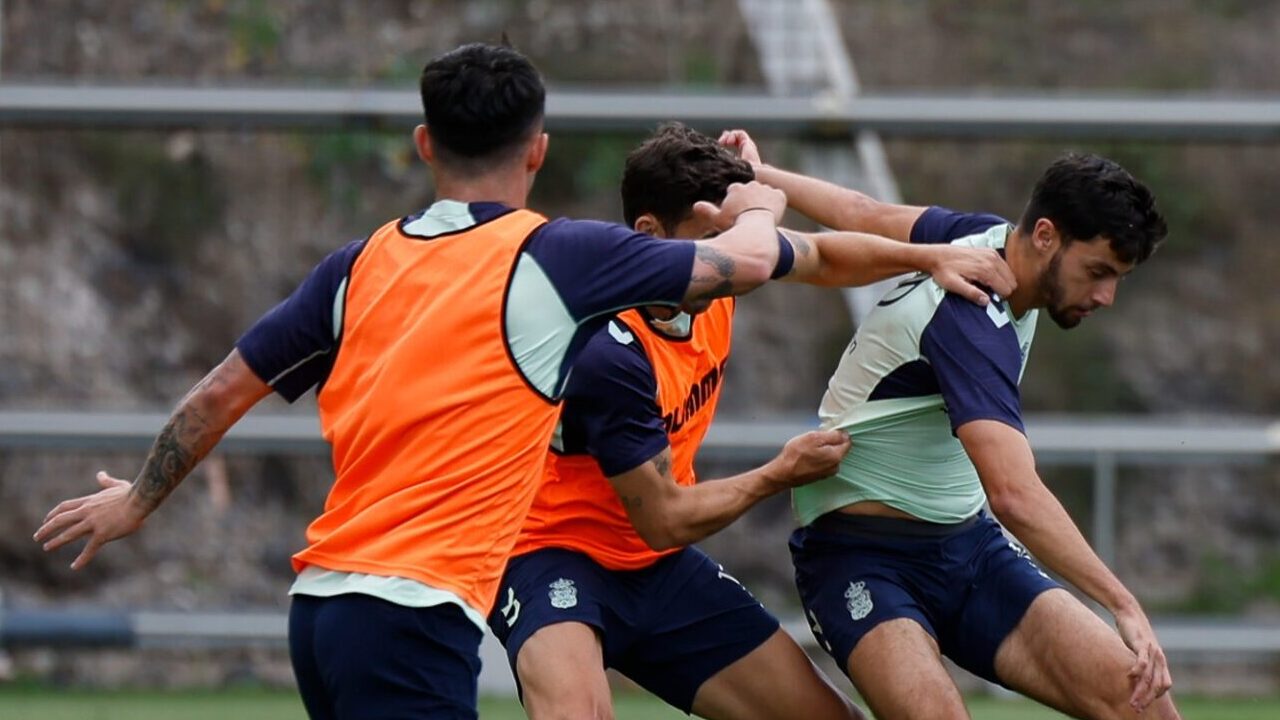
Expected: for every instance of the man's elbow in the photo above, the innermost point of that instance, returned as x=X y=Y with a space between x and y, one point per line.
x=753 y=272
x=1011 y=506
x=660 y=536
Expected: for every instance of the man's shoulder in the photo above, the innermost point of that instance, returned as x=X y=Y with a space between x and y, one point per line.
x=612 y=350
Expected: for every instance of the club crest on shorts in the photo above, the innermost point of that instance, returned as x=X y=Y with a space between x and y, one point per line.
x=859 y=600
x=563 y=594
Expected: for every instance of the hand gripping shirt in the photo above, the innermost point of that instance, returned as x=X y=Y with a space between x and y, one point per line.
x=440 y=346
x=922 y=364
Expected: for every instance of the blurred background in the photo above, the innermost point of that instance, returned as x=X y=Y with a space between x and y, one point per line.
x=142 y=228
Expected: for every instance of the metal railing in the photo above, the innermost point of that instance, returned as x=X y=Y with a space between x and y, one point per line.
x=985 y=114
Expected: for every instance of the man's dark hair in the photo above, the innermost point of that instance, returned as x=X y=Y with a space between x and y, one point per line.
x=481 y=103
x=1087 y=196
x=675 y=168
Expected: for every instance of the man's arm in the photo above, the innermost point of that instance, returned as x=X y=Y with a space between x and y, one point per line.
x=743 y=256
x=850 y=259
x=836 y=207
x=1022 y=503
x=194 y=428
x=667 y=515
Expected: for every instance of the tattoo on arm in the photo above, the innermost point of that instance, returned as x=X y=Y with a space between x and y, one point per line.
x=180 y=446
x=632 y=502
x=799 y=243
x=662 y=463
x=719 y=282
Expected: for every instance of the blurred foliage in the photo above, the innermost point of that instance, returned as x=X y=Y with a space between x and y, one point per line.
x=255 y=32
x=1070 y=371
x=1224 y=587
x=1192 y=218
x=167 y=195
x=339 y=162
x=584 y=169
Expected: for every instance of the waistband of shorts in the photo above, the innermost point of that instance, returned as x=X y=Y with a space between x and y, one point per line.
x=846 y=524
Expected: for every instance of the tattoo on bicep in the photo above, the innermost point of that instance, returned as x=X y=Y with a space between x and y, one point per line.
x=662 y=463
x=801 y=245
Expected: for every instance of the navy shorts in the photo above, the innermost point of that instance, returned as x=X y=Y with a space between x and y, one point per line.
x=358 y=656
x=966 y=583
x=669 y=627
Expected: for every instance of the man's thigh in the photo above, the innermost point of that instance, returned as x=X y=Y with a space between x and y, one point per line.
x=992 y=591
x=1065 y=656
x=560 y=669
x=776 y=681
x=375 y=658
x=695 y=621
x=898 y=670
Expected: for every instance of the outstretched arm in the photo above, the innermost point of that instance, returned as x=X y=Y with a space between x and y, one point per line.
x=836 y=207
x=1025 y=506
x=850 y=259
x=669 y=515
x=197 y=424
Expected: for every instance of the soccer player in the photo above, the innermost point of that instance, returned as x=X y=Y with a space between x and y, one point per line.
x=440 y=345
x=896 y=560
x=603 y=574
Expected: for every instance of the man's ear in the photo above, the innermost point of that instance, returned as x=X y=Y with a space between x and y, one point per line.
x=537 y=153
x=649 y=225
x=422 y=141
x=1045 y=237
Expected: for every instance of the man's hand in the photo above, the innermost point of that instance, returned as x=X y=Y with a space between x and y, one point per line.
x=743 y=198
x=808 y=457
x=741 y=142
x=1150 y=671
x=964 y=271
x=109 y=514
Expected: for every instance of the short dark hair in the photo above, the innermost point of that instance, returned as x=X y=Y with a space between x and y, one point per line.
x=1087 y=196
x=675 y=168
x=481 y=102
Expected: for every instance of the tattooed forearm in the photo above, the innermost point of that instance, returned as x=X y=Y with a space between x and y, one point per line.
x=181 y=445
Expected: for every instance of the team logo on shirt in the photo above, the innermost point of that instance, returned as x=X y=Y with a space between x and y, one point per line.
x=563 y=594
x=858 y=600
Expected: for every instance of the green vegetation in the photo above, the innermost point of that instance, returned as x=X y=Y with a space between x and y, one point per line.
x=25 y=702
x=1225 y=588
x=255 y=31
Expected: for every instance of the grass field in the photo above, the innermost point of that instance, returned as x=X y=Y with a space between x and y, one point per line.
x=27 y=703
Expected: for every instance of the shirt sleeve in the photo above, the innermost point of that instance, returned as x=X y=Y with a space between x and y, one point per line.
x=598 y=267
x=940 y=225
x=291 y=347
x=611 y=403
x=975 y=356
